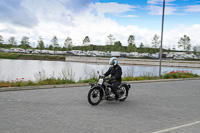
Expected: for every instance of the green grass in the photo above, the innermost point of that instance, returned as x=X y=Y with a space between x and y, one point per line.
x=42 y=80
x=91 y=80
x=30 y=56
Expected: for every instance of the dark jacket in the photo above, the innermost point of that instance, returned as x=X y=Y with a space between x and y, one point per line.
x=116 y=72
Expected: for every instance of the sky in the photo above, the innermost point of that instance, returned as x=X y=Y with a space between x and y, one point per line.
x=99 y=18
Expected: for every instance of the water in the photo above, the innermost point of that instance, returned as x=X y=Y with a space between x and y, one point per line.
x=28 y=69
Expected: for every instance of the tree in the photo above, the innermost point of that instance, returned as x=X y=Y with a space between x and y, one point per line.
x=1 y=39
x=108 y=48
x=155 y=41
x=25 y=42
x=50 y=47
x=141 y=45
x=117 y=46
x=68 y=43
x=41 y=43
x=54 y=43
x=130 y=48
x=184 y=42
x=86 y=40
x=131 y=44
x=141 y=48
x=195 y=50
x=131 y=40
x=174 y=48
x=12 y=41
x=110 y=40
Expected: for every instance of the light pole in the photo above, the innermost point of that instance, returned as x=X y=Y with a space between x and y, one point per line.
x=163 y=14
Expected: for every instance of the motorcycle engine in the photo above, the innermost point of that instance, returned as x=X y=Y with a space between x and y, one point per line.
x=110 y=92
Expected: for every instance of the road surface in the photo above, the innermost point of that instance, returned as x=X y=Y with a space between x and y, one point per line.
x=157 y=107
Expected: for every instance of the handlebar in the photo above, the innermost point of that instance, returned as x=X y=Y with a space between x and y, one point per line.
x=102 y=76
x=107 y=78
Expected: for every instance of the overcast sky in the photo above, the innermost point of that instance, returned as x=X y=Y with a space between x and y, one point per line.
x=99 y=18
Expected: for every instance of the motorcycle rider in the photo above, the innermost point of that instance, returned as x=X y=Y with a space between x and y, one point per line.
x=116 y=72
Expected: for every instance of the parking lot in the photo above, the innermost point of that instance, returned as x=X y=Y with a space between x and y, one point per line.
x=157 y=107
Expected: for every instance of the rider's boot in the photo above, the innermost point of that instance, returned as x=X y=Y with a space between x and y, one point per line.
x=116 y=97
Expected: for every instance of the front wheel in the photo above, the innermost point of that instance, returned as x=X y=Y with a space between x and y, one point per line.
x=94 y=96
x=123 y=92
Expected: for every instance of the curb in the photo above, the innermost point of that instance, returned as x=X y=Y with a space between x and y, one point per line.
x=4 y=89
x=161 y=80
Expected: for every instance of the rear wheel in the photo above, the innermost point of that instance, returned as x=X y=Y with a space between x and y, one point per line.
x=94 y=96
x=123 y=92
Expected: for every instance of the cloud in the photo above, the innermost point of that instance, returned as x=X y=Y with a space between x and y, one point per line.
x=76 y=5
x=13 y=12
x=49 y=11
x=172 y=37
x=63 y=22
x=156 y=7
x=192 y=8
x=55 y=19
x=157 y=10
x=159 y=1
x=111 y=8
x=129 y=16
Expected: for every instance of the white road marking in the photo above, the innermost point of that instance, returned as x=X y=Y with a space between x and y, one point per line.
x=177 y=127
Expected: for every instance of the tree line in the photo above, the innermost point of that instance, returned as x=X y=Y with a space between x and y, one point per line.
x=111 y=44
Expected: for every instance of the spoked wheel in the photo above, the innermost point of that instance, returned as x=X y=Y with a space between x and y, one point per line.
x=94 y=96
x=123 y=92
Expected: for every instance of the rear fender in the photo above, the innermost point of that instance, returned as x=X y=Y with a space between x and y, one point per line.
x=125 y=84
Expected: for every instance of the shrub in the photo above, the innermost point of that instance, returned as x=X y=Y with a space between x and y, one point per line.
x=88 y=80
x=127 y=78
x=179 y=74
x=148 y=76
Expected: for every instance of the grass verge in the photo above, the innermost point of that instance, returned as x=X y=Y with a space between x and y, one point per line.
x=30 y=56
x=55 y=81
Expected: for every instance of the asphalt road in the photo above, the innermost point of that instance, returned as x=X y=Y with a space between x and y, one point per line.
x=157 y=107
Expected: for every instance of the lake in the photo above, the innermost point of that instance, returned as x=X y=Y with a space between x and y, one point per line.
x=29 y=69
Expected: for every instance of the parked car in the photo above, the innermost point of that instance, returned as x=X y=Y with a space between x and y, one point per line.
x=22 y=51
x=29 y=51
x=36 y=51
x=5 y=50
x=179 y=57
x=59 y=52
x=45 y=51
x=51 y=52
x=115 y=53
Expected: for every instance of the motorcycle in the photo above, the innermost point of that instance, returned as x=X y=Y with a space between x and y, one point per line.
x=102 y=91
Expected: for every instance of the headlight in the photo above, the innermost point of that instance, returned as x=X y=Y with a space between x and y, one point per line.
x=100 y=81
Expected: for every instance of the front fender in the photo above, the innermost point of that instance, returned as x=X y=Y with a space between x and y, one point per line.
x=102 y=92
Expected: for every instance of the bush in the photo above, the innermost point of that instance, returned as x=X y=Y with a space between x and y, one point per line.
x=127 y=78
x=148 y=76
x=179 y=74
x=88 y=80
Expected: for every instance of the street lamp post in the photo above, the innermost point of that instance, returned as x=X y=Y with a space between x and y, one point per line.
x=163 y=14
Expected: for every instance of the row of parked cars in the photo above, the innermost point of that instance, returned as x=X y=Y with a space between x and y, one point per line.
x=170 y=55
x=183 y=57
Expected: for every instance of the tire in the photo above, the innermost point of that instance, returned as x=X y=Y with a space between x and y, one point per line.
x=123 y=92
x=94 y=96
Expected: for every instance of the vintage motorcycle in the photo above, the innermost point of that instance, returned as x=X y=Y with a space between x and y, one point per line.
x=102 y=91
